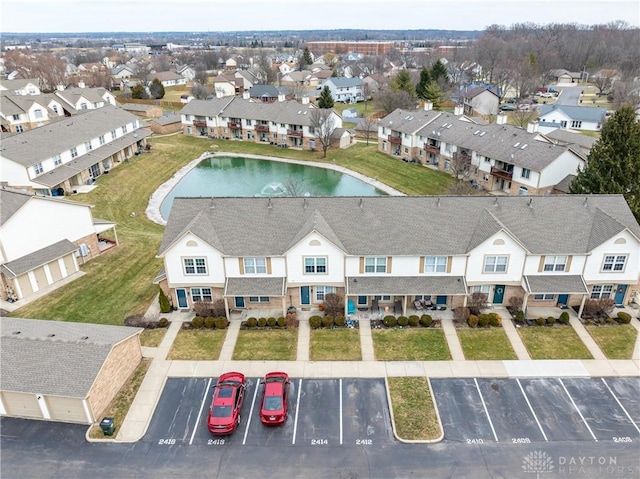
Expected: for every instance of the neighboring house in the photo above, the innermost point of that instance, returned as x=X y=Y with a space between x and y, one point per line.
x=571 y=117
x=283 y=123
x=345 y=90
x=349 y=113
x=166 y=124
x=93 y=67
x=480 y=101
x=21 y=87
x=296 y=78
x=186 y=72
x=564 y=76
x=245 y=79
x=64 y=371
x=19 y=113
x=226 y=85
x=302 y=248
x=79 y=98
x=573 y=139
x=144 y=110
x=44 y=240
x=123 y=72
x=268 y=93
x=167 y=79
x=73 y=151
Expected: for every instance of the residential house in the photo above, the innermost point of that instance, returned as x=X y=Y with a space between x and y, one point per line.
x=44 y=241
x=123 y=72
x=573 y=139
x=345 y=90
x=167 y=79
x=186 y=72
x=20 y=86
x=92 y=67
x=297 y=78
x=563 y=76
x=74 y=151
x=20 y=113
x=269 y=93
x=79 y=98
x=245 y=79
x=302 y=248
x=480 y=101
x=226 y=85
x=571 y=117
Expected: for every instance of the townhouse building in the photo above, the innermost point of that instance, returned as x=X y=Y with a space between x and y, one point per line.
x=499 y=158
x=72 y=151
x=376 y=251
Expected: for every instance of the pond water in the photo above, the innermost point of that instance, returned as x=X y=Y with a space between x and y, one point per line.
x=232 y=176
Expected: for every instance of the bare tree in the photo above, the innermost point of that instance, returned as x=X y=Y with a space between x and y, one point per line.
x=603 y=82
x=324 y=124
x=199 y=91
x=389 y=100
x=524 y=117
x=460 y=165
x=50 y=70
x=368 y=127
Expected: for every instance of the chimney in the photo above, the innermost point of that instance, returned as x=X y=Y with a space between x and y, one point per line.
x=81 y=84
x=280 y=96
x=458 y=110
x=245 y=95
x=305 y=100
x=219 y=93
x=60 y=87
x=428 y=106
x=501 y=119
x=532 y=127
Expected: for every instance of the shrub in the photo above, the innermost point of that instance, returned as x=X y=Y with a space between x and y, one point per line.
x=564 y=318
x=137 y=320
x=292 y=318
x=282 y=322
x=327 y=322
x=483 y=320
x=541 y=321
x=222 y=323
x=209 y=322
x=315 y=322
x=623 y=318
x=333 y=305
x=340 y=321
x=611 y=320
x=551 y=321
x=461 y=314
x=515 y=303
x=197 y=322
x=204 y=309
x=252 y=322
x=262 y=322
x=271 y=322
x=519 y=317
x=472 y=321
x=414 y=320
x=495 y=320
x=598 y=307
x=390 y=321
x=164 y=322
x=426 y=320
x=403 y=321
x=477 y=302
x=163 y=300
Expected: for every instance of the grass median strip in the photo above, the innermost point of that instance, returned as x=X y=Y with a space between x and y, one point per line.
x=420 y=344
x=197 y=345
x=558 y=342
x=615 y=341
x=414 y=413
x=335 y=345
x=152 y=337
x=486 y=344
x=266 y=345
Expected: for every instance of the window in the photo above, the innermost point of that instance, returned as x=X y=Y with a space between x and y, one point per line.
x=383 y=298
x=601 y=291
x=255 y=265
x=74 y=152
x=38 y=113
x=544 y=297
x=321 y=292
x=526 y=173
x=201 y=294
x=563 y=124
x=312 y=130
x=576 y=124
x=57 y=160
x=124 y=129
x=315 y=265
x=481 y=288
x=101 y=139
x=55 y=109
x=614 y=263
x=555 y=263
x=495 y=264
x=258 y=299
x=248 y=122
x=447 y=164
x=87 y=145
x=38 y=168
x=19 y=129
x=83 y=106
x=195 y=266
x=113 y=134
x=16 y=117
x=375 y=264
x=435 y=264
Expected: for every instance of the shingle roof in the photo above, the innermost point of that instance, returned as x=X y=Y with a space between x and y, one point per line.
x=581 y=113
x=558 y=283
x=446 y=225
x=167 y=120
x=55 y=357
x=341 y=82
x=571 y=138
x=408 y=121
x=37 y=258
x=406 y=285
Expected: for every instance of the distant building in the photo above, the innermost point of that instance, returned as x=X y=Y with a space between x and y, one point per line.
x=366 y=48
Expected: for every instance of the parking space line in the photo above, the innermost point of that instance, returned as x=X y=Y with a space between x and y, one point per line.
x=204 y=399
x=621 y=406
x=531 y=409
x=295 y=423
x=495 y=436
x=340 y=411
x=576 y=407
x=246 y=429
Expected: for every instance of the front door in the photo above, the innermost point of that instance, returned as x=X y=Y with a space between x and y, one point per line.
x=363 y=300
x=181 y=294
x=563 y=298
x=239 y=301
x=305 y=297
x=441 y=300
x=620 y=292
x=498 y=294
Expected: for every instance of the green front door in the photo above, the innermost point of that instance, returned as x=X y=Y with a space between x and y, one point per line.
x=498 y=294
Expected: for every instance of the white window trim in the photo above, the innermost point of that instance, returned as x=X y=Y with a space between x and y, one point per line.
x=554 y=263
x=613 y=263
x=436 y=264
x=315 y=265
x=375 y=264
x=484 y=264
x=252 y=263
x=195 y=266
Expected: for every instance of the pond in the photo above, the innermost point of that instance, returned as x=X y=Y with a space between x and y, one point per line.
x=233 y=176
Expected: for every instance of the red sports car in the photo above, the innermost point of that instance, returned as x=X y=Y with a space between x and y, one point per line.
x=275 y=399
x=228 y=393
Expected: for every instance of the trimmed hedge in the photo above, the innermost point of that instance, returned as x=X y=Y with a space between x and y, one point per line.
x=221 y=323
x=315 y=322
x=262 y=322
x=197 y=322
x=623 y=318
x=390 y=321
x=414 y=320
x=564 y=318
x=426 y=320
x=209 y=322
x=472 y=321
x=403 y=321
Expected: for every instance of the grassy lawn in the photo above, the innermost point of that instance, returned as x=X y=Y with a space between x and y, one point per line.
x=553 y=343
x=410 y=345
x=197 y=345
x=119 y=283
x=267 y=345
x=486 y=344
x=119 y=407
x=335 y=345
x=413 y=410
x=616 y=341
x=152 y=337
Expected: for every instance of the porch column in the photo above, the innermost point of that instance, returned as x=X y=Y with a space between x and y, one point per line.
x=464 y=300
x=584 y=299
x=525 y=301
x=284 y=306
x=115 y=234
x=226 y=308
x=404 y=305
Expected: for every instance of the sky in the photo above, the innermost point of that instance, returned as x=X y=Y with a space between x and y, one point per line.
x=68 y=16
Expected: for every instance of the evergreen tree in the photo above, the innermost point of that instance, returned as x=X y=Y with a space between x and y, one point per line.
x=421 y=87
x=433 y=94
x=138 y=92
x=613 y=165
x=308 y=59
x=325 y=100
x=402 y=81
x=156 y=89
x=165 y=304
x=439 y=73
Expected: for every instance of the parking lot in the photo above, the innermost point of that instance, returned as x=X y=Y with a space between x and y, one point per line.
x=322 y=412
x=522 y=411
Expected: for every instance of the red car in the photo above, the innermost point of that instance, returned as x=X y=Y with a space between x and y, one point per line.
x=275 y=399
x=228 y=393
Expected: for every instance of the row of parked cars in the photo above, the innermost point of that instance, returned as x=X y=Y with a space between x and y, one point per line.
x=513 y=104
x=228 y=395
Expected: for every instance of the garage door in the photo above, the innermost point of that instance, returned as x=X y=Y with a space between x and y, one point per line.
x=66 y=409
x=21 y=405
x=25 y=285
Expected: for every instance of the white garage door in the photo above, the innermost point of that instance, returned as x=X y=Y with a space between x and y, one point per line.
x=21 y=405
x=66 y=409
